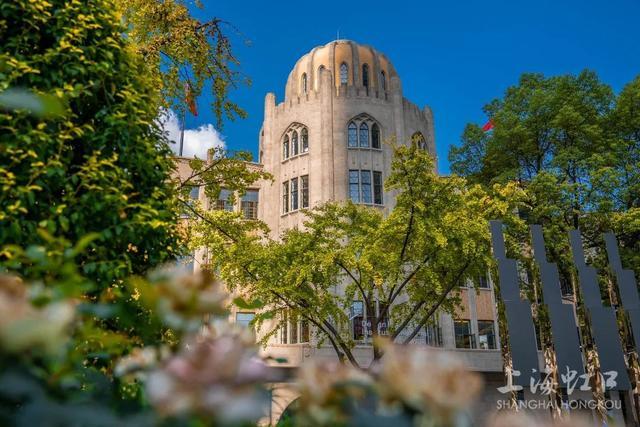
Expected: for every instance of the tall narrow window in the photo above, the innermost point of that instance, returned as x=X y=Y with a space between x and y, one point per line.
x=319 y=76
x=377 y=187
x=375 y=136
x=294 y=194
x=305 y=335
x=365 y=75
x=365 y=186
x=285 y=197
x=284 y=331
x=305 y=191
x=249 y=204
x=344 y=73
x=293 y=326
x=364 y=135
x=354 y=186
x=304 y=135
x=383 y=81
x=353 y=135
x=357 y=319
x=294 y=143
x=285 y=147
x=304 y=82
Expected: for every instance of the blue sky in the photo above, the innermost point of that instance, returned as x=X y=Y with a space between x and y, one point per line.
x=454 y=56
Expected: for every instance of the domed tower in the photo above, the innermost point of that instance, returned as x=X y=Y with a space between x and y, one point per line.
x=326 y=141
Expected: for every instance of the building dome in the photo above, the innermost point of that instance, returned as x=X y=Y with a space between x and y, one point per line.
x=350 y=64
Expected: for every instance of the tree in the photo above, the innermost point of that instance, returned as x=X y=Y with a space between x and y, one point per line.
x=186 y=55
x=411 y=262
x=100 y=167
x=572 y=144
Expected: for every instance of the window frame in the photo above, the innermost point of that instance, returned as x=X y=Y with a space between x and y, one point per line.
x=470 y=344
x=492 y=344
x=285 y=197
x=364 y=129
x=295 y=194
x=344 y=73
x=304 y=191
x=285 y=147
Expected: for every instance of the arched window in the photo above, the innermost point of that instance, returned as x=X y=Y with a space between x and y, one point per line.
x=375 y=136
x=418 y=139
x=285 y=147
x=364 y=135
x=319 y=76
x=383 y=81
x=344 y=73
x=353 y=135
x=294 y=143
x=365 y=75
x=304 y=82
x=304 y=135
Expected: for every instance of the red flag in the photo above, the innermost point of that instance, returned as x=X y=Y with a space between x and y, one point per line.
x=191 y=102
x=488 y=126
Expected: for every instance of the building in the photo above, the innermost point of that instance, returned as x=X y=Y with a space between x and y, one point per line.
x=324 y=142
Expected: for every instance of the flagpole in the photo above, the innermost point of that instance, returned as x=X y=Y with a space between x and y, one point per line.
x=184 y=118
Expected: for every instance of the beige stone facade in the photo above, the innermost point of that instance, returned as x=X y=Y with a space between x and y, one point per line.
x=316 y=100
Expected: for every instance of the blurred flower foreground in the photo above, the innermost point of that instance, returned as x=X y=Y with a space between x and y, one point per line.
x=209 y=372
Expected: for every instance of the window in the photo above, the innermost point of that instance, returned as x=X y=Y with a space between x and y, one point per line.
x=365 y=186
x=305 y=191
x=354 y=186
x=364 y=135
x=305 y=332
x=194 y=193
x=285 y=197
x=433 y=335
x=244 y=319
x=357 y=319
x=284 y=329
x=383 y=321
x=375 y=136
x=249 y=204
x=365 y=75
x=464 y=338
x=285 y=147
x=304 y=135
x=224 y=202
x=344 y=73
x=294 y=143
x=363 y=132
x=361 y=186
x=353 y=135
x=319 y=76
x=377 y=187
x=383 y=81
x=486 y=335
x=293 y=330
x=294 y=194
x=304 y=82
x=483 y=283
x=418 y=139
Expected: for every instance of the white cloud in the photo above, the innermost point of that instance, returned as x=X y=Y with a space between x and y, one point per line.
x=196 y=141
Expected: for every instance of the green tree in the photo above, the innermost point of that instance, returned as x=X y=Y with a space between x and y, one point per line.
x=101 y=167
x=186 y=55
x=411 y=261
x=572 y=144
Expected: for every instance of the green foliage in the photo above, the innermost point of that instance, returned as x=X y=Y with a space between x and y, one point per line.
x=102 y=166
x=434 y=239
x=183 y=50
x=574 y=146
